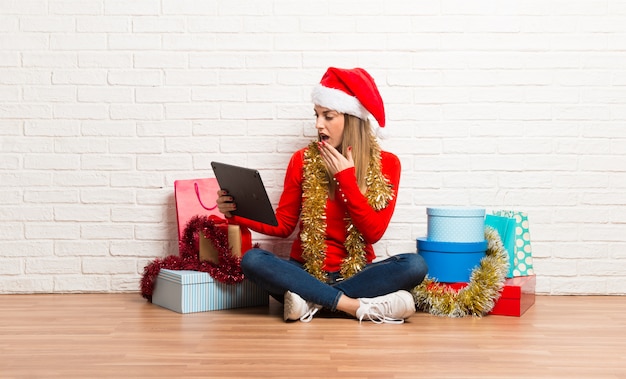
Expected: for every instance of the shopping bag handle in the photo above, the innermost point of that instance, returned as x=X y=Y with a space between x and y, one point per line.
x=197 y=188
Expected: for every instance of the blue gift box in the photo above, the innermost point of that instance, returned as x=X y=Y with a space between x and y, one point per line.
x=186 y=291
x=456 y=224
x=451 y=262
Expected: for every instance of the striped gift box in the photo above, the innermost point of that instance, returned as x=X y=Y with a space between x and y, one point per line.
x=186 y=291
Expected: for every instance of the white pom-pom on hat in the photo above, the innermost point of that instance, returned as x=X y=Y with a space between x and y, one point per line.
x=382 y=133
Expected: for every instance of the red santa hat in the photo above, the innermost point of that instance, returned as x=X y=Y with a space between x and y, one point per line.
x=350 y=91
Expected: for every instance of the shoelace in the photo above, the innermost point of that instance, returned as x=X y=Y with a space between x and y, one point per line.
x=376 y=313
x=308 y=315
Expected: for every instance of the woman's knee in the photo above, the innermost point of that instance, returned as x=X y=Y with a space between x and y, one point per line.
x=417 y=266
x=253 y=258
x=421 y=267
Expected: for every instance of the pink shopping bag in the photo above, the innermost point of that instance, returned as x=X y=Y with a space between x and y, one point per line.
x=195 y=197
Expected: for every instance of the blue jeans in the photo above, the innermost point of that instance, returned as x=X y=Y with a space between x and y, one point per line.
x=277 y=275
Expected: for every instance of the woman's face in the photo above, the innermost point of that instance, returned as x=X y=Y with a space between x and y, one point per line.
x=329 y=125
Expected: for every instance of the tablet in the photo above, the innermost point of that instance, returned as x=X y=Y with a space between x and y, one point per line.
x=247 y=189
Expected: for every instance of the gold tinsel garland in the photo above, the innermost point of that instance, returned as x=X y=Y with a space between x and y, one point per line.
x=479 y=296
x=315 y=193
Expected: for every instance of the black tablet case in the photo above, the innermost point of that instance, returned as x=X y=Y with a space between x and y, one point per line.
x=246 y=187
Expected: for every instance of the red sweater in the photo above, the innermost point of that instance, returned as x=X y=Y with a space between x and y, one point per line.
x=348 y=201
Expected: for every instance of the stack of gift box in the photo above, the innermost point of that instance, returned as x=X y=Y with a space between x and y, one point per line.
x=455 y=244
x=187 y=291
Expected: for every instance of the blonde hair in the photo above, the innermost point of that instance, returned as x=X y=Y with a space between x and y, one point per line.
x=357 y=133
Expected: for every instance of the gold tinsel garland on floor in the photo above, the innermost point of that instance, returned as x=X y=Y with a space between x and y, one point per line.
x=479 y=296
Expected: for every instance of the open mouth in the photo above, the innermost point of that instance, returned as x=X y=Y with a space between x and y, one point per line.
x=323 y=137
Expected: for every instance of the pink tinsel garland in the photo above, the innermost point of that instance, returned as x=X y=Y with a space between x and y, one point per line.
x=228 y=270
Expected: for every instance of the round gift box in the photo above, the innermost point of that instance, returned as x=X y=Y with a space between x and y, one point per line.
x=455 y=224
x=451 y=262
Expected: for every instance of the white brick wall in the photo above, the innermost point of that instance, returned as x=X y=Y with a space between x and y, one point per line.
x=501 y=104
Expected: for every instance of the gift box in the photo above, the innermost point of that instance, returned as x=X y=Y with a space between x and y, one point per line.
x=239 y=242
x=456 y=224
x=185 y=291
x=451 y=262
x=518 y=295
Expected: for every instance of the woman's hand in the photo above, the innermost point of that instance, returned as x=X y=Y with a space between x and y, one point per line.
x=225 y=203
x=335 y=162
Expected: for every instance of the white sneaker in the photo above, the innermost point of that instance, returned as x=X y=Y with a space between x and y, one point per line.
x=296 y=308
x=392 y=308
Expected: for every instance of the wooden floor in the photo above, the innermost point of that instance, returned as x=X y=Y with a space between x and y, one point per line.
x=123 y=336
